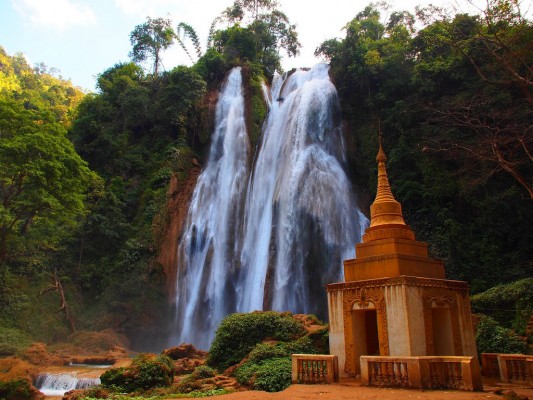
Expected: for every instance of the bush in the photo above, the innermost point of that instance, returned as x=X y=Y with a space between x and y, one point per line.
x=493 y=338
x=115 y=379
x=271 y=375
x=274 y=375
x=313 y=343
x=238 y=334
x=264 y=351
x=145 y=372
x=203 y=372
x=19 y=389
x=12 y=341
x=497 y=302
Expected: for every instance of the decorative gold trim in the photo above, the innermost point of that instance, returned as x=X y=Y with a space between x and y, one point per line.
x=399 y=280
x=362 y=296
x=442 y=298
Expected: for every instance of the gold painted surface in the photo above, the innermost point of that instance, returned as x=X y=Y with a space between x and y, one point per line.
x=392 y=264
x=442 y=297
x=362 y=296
x=385 y=209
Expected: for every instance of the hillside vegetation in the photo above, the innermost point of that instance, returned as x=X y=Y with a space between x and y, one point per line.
x=84 y=177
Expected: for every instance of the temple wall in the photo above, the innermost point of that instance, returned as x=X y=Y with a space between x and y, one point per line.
x=415 y=308
x=468 y=338
x=397 y=321
x=336 y=328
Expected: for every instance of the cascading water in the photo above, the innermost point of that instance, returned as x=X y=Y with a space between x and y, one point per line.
x=301 y=220
x=273 y=240
x=211 y=237
x=59 y=384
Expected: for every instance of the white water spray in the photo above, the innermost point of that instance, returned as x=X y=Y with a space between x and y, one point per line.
x=272 y=239
x=59 y=384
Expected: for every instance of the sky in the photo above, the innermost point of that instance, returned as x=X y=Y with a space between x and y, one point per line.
x=83 y=38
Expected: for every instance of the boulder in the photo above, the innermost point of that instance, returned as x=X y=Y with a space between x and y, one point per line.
x=185 y=350
x=38 y=354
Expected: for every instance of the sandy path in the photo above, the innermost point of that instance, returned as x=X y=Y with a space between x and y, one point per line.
x=354 y=391
x=350 y=390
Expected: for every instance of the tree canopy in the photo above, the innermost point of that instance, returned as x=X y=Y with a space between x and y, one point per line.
x=43 y=181
x=456 y=121
x=150 y=39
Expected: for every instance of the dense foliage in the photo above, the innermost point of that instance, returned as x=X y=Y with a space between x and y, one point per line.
x=12 y=341
x=145 y=372
x=270 y=375
x=509 y=304
x=238 y=334
x=268 y=366
x=493 y=338
x=44 y=186
x=454 y=106
x=19 y=389
x=84 y=177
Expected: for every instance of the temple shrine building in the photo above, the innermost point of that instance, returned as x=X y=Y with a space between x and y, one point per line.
x=395 y=300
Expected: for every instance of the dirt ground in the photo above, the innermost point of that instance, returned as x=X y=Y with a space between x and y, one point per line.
x=354 y=391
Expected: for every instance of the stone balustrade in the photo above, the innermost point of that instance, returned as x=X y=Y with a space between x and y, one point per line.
x=489 y=365
x=424 y=372
x=314 y=368
x=515 y=368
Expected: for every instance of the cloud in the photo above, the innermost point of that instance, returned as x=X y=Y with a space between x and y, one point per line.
x=143 y=8
x=57 y=14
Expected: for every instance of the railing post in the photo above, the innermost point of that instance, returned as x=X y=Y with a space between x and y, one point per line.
x=365 y=373
x=295 y=369
x=471 y=375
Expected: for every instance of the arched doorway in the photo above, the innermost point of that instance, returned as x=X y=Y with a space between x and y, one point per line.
x=365 y=332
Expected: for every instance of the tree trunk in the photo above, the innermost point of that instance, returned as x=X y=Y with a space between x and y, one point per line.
x=58 y=287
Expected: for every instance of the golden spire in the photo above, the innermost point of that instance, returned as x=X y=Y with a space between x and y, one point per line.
x=385 y=210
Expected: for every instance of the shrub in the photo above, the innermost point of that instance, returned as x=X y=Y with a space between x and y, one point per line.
x=19 y=389
x=246 y=372
x=203 y=372
x=493 y=338
x=145 y=372
x=306 y=345
x=497 y=302
x=115 y=379
x=263 y=351
x=12 y=341
x=239 y=333
x=271 y=375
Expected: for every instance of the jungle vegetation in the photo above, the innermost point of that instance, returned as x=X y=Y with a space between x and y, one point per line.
x=84 y=176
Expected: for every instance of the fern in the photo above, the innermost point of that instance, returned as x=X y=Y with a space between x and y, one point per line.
x=186 y=31
x=211 y=35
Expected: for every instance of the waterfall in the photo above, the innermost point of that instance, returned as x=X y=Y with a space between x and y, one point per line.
x=210 y=242
x=301 y=219
x=59 y=384
x=271 y=235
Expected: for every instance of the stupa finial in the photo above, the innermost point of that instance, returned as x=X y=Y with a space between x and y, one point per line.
x=385 y=210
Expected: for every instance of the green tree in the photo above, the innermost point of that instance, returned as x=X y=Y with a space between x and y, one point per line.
x=149 y=39
x=271 y=30
x=488 y=123
x=42 y=179
x=444 y=127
